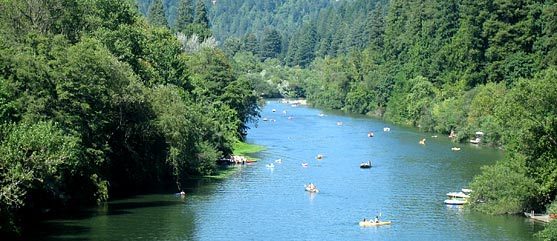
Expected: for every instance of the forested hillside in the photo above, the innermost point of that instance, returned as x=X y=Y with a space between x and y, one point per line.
x=442 y=66
x=95 y=101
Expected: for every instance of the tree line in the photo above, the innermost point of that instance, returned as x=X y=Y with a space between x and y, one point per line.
x=442 y=66
x=97 y=101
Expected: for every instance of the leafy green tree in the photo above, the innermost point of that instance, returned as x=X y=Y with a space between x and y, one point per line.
x=503 y=188
x=38 y=160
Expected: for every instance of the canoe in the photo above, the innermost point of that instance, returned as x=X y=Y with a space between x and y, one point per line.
x=373 y=224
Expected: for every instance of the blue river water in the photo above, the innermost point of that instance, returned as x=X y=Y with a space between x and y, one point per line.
x=406 y=185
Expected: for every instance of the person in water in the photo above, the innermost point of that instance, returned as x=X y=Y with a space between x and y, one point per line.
x=376 y=219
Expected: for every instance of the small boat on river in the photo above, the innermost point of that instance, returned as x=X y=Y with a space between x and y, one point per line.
x=311 y=188
x=319 y=156
x=365 y=164
x=458 y=195
x=422 y=141
x=371 y=223
x=478 y=138
x=305 y=164
x=456 y=201
x=270 y=165
x=370 y=134
x=455 y=148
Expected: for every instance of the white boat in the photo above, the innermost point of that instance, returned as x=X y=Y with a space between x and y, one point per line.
x=265 y=119
x=458 y=195
x=278 y=160
x=319 y=156
x=466 y=190
x=321 y=114
x=365 y=164
x=304 y=164
x=274 y=110
x=339 y=123
x=386 y=129
x=478 y=138
x=455 y=148
x=371 y=223
x=309 y=188
x=455 y=201
x=476 y=141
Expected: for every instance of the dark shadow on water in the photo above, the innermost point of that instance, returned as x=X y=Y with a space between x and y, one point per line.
x=62 y=228
x=59 y=231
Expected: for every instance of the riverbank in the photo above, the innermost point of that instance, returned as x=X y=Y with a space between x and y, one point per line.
x=241 y=150
x=245 y=149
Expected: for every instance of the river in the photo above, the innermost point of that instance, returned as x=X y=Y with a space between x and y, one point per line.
x=407 y=185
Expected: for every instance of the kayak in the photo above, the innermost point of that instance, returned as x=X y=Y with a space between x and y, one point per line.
x=373 y=224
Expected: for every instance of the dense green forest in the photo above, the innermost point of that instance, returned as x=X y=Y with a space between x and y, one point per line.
x=442 y=66
x=101 y=97
x=97 y=102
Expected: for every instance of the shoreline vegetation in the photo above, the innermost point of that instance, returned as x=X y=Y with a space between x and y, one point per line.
x=460 y=67
x=98 y=101
x=241 y=150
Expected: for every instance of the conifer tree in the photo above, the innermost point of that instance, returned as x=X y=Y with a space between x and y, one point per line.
x=184 y=15
x=201 y=14
x=156 y=14
x=270 y=44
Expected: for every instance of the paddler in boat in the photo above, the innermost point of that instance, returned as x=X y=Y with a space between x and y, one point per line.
x=376 y=219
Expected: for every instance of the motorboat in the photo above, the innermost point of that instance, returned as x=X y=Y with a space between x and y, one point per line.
x=278 y=160
x=456 y=201
x=304 y=164
x=365 y=164
x=321 y=114
x=386 y=129
x=372 y=223
x=370 y=134
x=466 y=190
x=274 y=110
x=339 y=123
x=265 y=119
x=458 y=195
x=319 y=156
x=455 y=148
x=422 y=141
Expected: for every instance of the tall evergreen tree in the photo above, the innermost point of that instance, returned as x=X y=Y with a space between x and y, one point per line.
x=156 y=14
x=270 y=44
x=201 y=14
x=185 y=15
x=250 y=43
